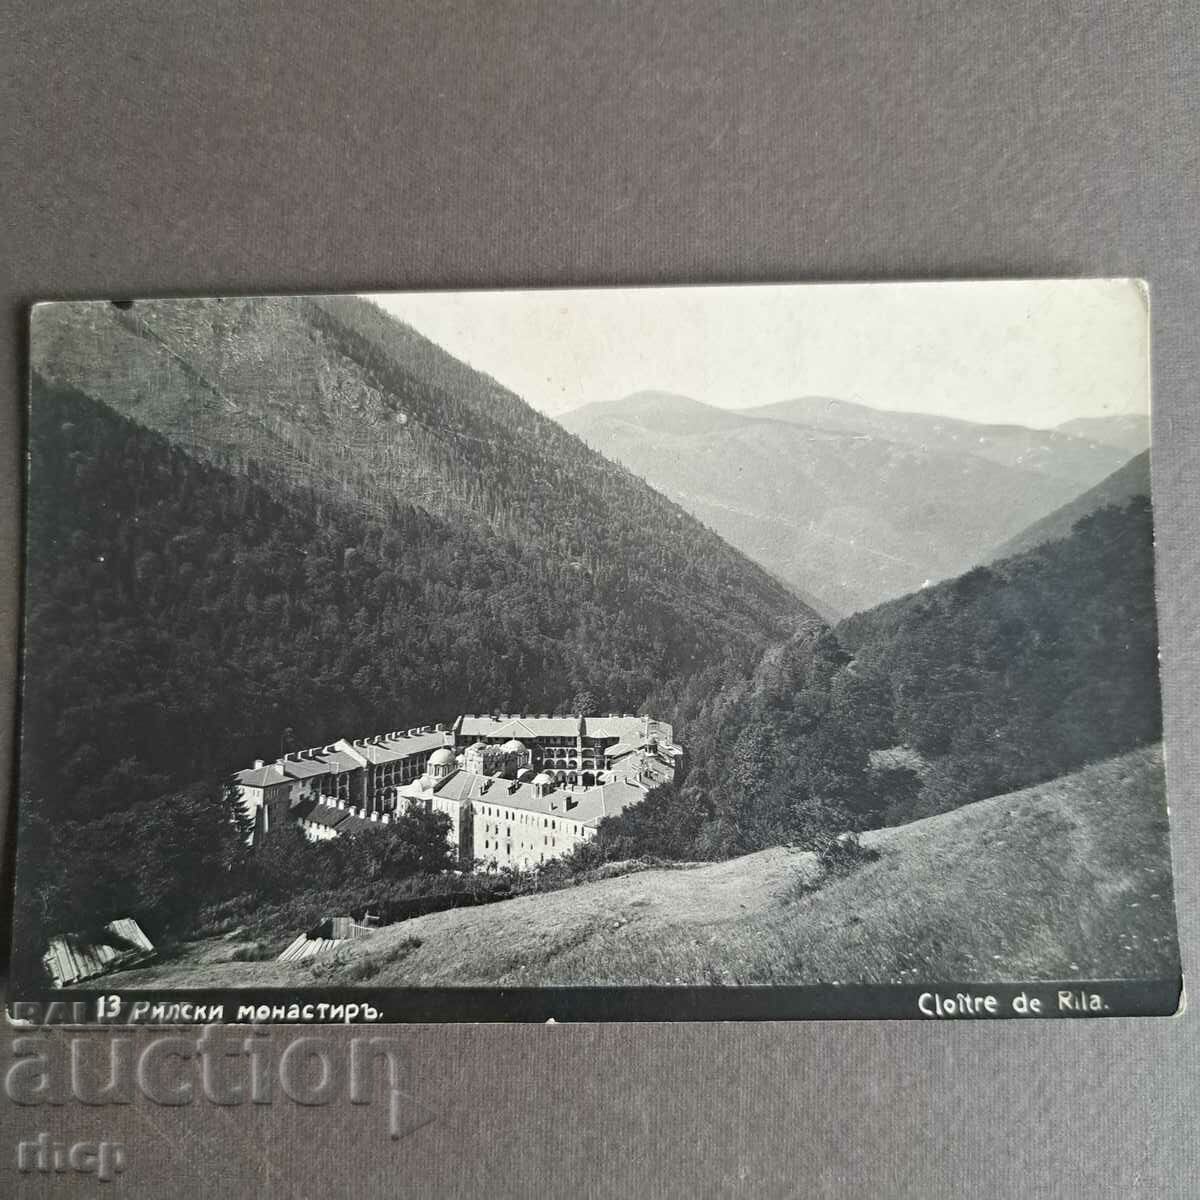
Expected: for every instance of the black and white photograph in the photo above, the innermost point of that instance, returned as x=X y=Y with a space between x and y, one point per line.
x=678 y=652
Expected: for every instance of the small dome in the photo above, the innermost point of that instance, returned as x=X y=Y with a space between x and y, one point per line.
x=542 y=780
x=512 y=746
x=441 y=758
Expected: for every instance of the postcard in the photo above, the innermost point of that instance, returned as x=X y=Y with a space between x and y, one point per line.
x=673 y=653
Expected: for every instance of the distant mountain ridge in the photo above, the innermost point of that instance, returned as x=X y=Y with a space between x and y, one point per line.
x=1133 y=479
x=1125 y=431
x=849 y=505
x=666 y=412
x=1071 y=456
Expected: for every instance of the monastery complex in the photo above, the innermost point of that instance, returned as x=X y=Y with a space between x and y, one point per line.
x=518 y=790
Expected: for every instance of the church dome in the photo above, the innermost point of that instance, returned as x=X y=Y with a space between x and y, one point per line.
x=542 y=780
x=512 y=746
x=441 y=758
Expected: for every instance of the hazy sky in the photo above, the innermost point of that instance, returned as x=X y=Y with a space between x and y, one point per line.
x=1033 y=353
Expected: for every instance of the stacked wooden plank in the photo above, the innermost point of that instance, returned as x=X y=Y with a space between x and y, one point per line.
x=71 y=959
x=305 y=947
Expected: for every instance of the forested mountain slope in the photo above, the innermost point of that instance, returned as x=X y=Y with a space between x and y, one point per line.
x=1004 y=677
x=183 y=618
x=1018 y=671
x=337 y=396
x=849 y=505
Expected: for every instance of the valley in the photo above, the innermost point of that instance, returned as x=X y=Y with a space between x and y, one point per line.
x=848 y=505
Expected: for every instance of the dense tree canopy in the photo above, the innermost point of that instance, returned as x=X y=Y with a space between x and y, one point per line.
x=1007 y=676
x=183 y=620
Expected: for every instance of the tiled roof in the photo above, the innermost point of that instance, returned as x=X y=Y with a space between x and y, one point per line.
x=627 y=728
x=304 y=768
x=616 y=751
x=655 y=771
x=588 y=806
x=261 y=776
x=320 y=814
x=614 y=798
x=340 y=820
x=343 y=760
x=631 y=732
x=520 y=727
x=382 y=754
x=353 y=824
x=417 y=742
x=464 y=785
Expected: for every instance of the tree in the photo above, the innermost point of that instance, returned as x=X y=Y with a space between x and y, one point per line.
x=813 y=823
x=416 y=842
x=663 y=825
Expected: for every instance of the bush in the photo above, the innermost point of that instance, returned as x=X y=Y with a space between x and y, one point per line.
x=251 y=952
x=367 y=966
x=837 y=857
x=843 y=854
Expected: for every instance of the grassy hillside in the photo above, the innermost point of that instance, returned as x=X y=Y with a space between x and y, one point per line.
x=1069 y=879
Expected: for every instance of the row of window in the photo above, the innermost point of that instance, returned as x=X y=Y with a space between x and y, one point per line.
x=498 y=812
x=487 y=845
x=525 y=819
x=535 y=742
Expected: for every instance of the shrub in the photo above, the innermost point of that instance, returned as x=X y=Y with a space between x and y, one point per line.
x=837 y=857
x=367 y=966
x=251 y=952
x=843 y=854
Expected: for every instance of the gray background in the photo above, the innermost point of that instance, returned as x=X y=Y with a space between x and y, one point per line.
x=153 y=148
